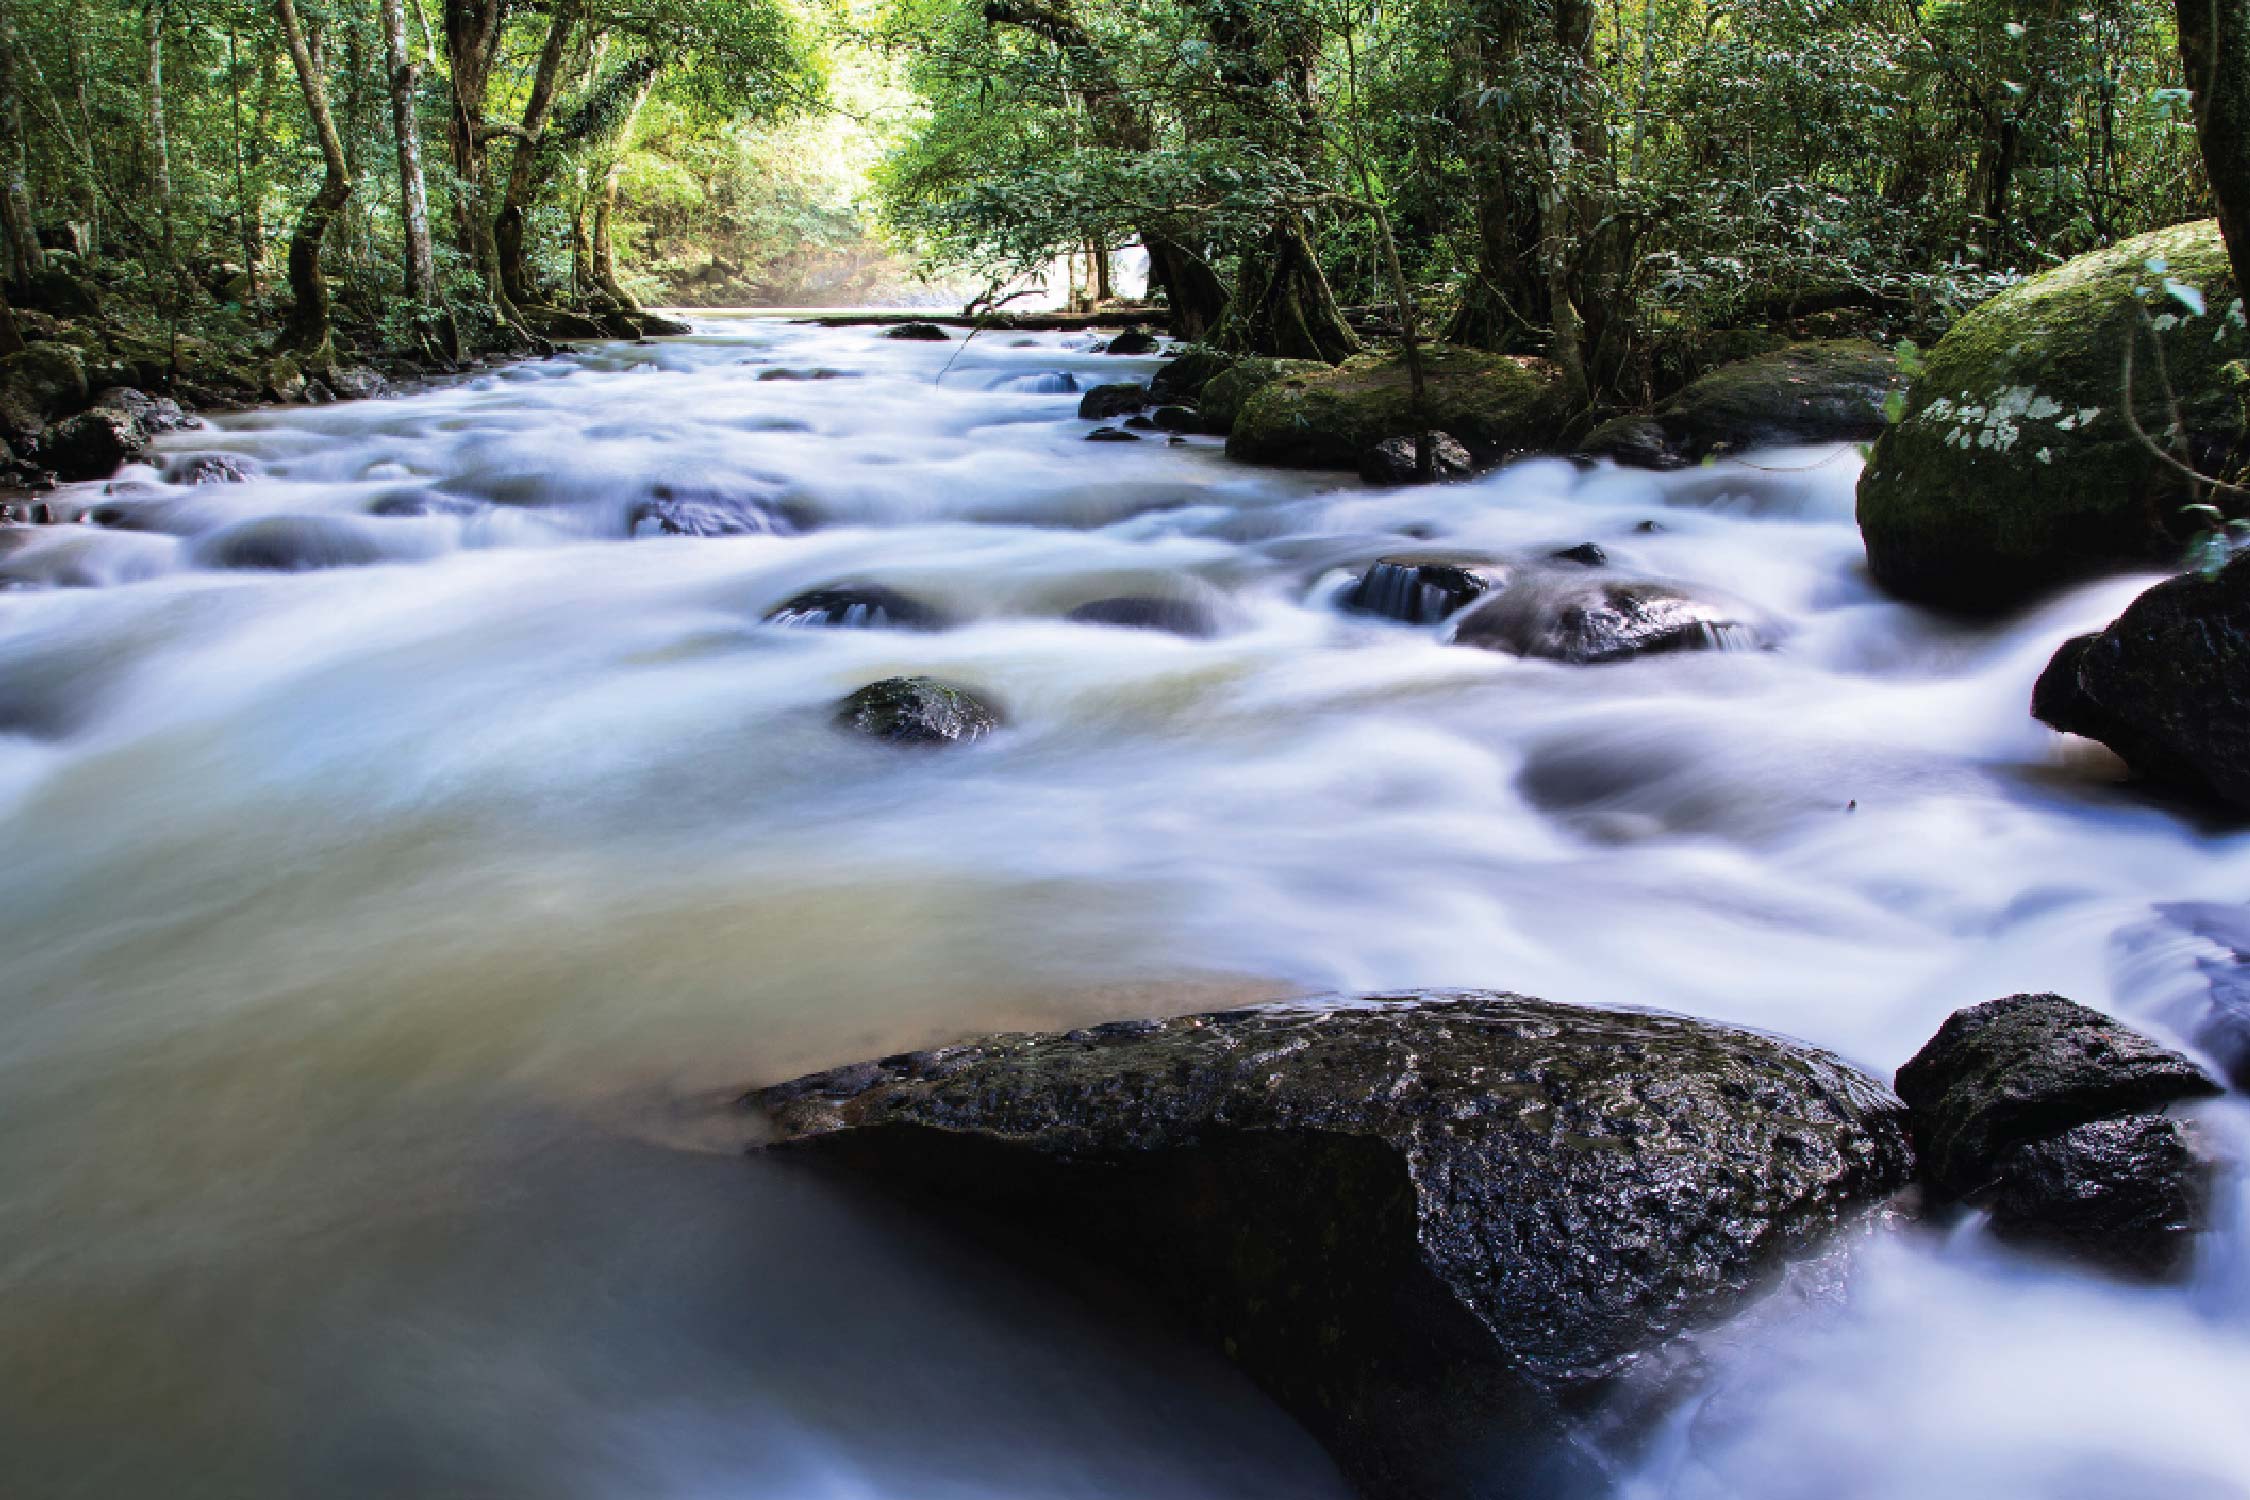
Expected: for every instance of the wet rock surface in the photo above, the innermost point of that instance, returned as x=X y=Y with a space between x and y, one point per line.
x=1433 y=1226
x=917 y=711
x=2164 y=685
x=1394 y=461
x=1570 y=616
x=2005 y=1102
x=94 y=444
x=928 y=333
x=1189 y=617
x=1114 y=400
x=1421 y=589
x=1132 y=341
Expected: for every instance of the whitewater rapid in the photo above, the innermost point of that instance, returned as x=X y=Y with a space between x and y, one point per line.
x=375 y=936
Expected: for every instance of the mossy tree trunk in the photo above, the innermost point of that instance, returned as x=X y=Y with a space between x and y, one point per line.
x=17 y=224
x=524 y=168
x=306 y=331
x=2215 y=50
x=414 y=204
x=1282 y=303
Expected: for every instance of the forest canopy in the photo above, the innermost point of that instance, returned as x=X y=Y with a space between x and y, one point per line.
x=1624 y=186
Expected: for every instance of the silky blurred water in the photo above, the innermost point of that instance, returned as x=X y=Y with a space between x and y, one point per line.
x=376 y=930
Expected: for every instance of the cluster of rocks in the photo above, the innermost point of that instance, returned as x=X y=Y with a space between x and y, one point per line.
x=1457 y=1233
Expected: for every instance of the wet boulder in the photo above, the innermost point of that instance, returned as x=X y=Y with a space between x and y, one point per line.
x=1105 y=402
x=1434 y=1227
x=1227 y=392
x=1588 y=621
x=1823 y=391
x=1132 y=341
x=1112 y=435
x=2014 y=469
x=1395 y=461
x=357 y=383
x=2164 y=686
x=1174 y=616
x=1585 y=554
x=94 y=444
x=1423 y=588
x=1492 y=404
x=857 y=606
x=917 y=711
x=156 y=414
x=2051 y=1114
x=1177 y=419
x=927 y=333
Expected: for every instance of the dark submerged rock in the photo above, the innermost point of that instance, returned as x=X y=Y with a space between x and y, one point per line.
x=1585 y=554
x=1178 y=419
x=1106 y=401
x=674 y=510
x=917 y=711
x=289 y=544
x=1138 y=612
x=1112 y=435
x=1434 y=1227
x=1422 y=589
x=857 y=606
x=2165 y=686
x=1393 y=461
x=2002 y=1099
x=1588 y=621
x=928 y=333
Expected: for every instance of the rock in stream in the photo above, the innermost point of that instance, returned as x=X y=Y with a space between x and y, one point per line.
x=1436 y=1227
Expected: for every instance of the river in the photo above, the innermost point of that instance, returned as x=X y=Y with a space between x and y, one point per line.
x=378 y=941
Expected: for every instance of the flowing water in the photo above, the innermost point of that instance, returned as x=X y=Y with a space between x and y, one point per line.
x=376 y=937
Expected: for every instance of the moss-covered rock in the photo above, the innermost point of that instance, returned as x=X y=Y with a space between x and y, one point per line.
x=1225 y=393
x=2013 y=467
x=1822 y=391
x=39 y=382
x=1183 y=377
x=1326 y=418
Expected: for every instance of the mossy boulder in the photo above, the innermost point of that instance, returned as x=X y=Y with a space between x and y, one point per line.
x=1327 y=417
x=1183 y=377
x=39 y=382
x=2013 y=467
x=1228 y=391
x=1821 y=391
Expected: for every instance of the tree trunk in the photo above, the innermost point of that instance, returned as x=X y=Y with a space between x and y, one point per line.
x=1282 y=303
x=523 y=165
x=472 y=39
x=2215 y=50
x=605 y=206
x=1193 y=291
x=414 y=202
x=159 y=145
x=17 y=225
x=307 y=329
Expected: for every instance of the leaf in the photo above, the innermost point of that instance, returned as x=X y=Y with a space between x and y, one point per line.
x=2187 y=296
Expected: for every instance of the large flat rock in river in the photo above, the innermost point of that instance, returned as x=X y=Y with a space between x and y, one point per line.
x=1433 y=1226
